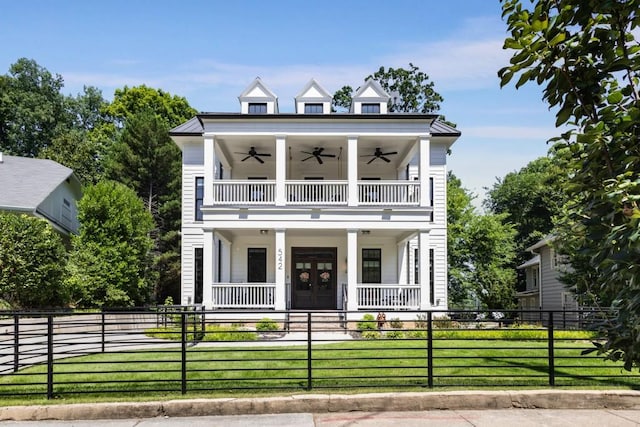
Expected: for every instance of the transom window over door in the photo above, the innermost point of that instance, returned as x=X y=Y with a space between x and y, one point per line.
x=371 y=266
x=257 y=265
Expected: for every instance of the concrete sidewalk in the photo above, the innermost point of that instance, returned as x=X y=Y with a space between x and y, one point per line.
x=333 y=403
x=434 y=418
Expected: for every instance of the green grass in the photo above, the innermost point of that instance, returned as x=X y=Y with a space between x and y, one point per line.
x=385 y=364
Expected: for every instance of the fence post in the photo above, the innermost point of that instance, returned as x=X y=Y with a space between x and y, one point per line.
x=183 y=329
x=16 y=342
x=430 y=349
x=49 y=356
x=309 y=364
x=552 y=375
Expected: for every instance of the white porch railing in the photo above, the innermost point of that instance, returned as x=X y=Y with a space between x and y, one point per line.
x=388 y=297
x=389 y=193
x=258 y=192
x=317 y=192
x=243 y=295
x=320 y=192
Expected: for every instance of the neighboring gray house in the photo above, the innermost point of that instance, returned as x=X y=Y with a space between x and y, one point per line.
x=544 y=290
x=40 y=188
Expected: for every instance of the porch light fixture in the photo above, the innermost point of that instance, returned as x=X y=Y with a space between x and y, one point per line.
x=264 y=232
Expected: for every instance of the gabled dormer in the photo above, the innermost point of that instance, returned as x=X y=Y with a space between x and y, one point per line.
x=313 y=99
x=370 y=98
x=258 y=99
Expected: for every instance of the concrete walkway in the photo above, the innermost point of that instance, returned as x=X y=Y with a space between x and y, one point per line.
x=356 y=409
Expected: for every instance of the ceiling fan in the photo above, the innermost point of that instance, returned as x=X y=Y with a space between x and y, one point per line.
x=378 y=154
x=253 y=153
x=317 y=153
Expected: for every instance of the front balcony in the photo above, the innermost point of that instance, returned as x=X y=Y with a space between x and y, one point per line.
x=316 y=193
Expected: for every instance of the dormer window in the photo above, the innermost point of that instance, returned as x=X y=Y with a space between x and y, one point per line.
x=313 y=109
x=370 y=108
x=257 y=108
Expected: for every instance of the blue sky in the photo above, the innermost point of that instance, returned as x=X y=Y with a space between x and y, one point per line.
x=209 y=51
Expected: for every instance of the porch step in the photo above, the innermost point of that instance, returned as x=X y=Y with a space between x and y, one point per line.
x=320 y=322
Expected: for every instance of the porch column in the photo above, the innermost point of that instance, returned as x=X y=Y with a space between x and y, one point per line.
x=352 y=270
x=209 y=168
x=225 y=260
x=352 y=169
x=281 y=170
x=425 y=161
x=423 y=269
x=280 y=263
x=403 y=263
x=208 y=256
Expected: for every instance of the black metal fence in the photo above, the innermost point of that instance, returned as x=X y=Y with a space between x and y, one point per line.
x=190 y=350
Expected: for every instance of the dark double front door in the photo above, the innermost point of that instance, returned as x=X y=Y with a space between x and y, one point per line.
x=313 y=278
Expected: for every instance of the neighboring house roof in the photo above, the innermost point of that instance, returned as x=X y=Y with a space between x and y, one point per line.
x=544 y=242
x=533 y=261
x=26 y=182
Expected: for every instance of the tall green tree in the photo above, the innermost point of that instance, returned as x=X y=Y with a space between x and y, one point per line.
x=530 y=198
x=481 y=249
x=32 y=263
x=110 y=263
x=145 y=159
x=410 y=90
x=82 y=145
x=460 y=212
x=31 y=108
x=585 y=54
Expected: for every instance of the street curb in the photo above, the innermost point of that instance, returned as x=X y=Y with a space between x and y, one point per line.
x=323 y=403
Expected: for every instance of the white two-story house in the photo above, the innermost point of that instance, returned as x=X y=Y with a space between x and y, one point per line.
x=314 y=209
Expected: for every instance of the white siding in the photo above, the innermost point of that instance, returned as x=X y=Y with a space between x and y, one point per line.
x=552 y=287
x=191 y=239
x=54 y=209
x=192 y=167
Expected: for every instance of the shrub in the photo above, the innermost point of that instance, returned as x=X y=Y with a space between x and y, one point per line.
x=416 y=334
x=444 y=322
x=396 y=323
x=371 y=335
x=394 y=335
x=368 y=323
x=421 y=321
x=266 y=325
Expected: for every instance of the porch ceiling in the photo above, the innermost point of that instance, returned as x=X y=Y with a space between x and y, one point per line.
x=234 y=148
x=324 y=233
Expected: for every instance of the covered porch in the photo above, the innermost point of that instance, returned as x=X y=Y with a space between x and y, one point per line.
x=325 y=269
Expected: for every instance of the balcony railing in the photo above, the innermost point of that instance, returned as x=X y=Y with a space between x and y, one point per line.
x=307 y=192
x=389 y=193
x=243 y=295
x=388 y=297
x=317 y=192
x=241 y=192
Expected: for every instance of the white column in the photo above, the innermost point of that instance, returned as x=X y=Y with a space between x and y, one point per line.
x=281 y=170
x=226 y=262
x=403 y=263
x=281 y=265
x=352 y=269
x=209 y=168
x=208 y=256
x=425 y=161
x=352 y=169
x=423 y=269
